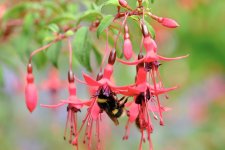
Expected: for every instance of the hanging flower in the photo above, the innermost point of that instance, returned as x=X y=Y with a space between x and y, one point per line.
x=31 y=95
x=72 y=109
x=53 y=83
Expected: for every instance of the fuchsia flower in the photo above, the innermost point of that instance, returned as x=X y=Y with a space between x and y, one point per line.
x=143 y=103
x=151 y=51
x=104 y=87
x=71 y=108
x=53 y=83
x=93 y=116
x=31 y=95
x=145 y=91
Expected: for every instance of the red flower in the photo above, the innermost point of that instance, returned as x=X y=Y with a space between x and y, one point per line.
x=71 y=108
x=151 y=54
x=139 y=113
x=53 y=84
x=93 y=116
x=31 y=95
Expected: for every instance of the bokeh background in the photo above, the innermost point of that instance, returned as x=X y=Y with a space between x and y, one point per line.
x=196 y=121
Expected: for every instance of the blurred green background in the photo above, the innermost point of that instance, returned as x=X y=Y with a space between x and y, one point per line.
x=196 y=120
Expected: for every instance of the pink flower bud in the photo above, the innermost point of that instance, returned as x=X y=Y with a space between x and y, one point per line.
x=127 y=49
x=167 y=22
x=31 y=96
x=123 y=3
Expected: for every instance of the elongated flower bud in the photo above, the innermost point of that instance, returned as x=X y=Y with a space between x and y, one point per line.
x=123 y=3
x=31 y=95
x=127 y=46
x=167 y=22
x=112 y=57
x=127 y=49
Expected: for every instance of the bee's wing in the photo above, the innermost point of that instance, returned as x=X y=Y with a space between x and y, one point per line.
x=114 y=119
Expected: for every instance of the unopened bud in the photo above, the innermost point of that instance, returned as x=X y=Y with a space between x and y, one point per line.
x=99 y=76
x=145 y=30
x=70 y=76
x=127 y=49
x=167 y=22
x=31 y=96
x=112 y=57
x=123 y=3
x=29 y=68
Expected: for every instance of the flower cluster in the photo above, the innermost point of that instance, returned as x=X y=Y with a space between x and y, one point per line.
x=138 y=101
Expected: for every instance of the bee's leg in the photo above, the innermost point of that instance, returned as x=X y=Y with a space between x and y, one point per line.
x=121 y=98
x=123 y=104
x=94 y=96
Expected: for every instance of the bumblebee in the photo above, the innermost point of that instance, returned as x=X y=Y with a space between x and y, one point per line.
x=108 y=102
x=140 y=99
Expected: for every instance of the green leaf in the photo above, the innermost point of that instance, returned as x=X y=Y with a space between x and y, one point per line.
x=110 y=2
x=28 y=24
x=150 y=29
x=40 y=60
x=146 y=3
x=53 y=27
x=105 y=22
x=15 y=11
x=20 y=9
x=82 y=47
x=53 y=53
x=63 y=17
x=53 y=6
x=89 y=15
x=98 y=55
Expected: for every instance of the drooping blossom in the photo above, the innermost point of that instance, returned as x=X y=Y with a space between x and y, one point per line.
x=72 y=109
x=31 y=95
x=53 y=82
x=143 y=103
x=151 y=51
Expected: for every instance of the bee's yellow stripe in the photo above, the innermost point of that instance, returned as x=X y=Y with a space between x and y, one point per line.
x=99 y=100
x=115 y=111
